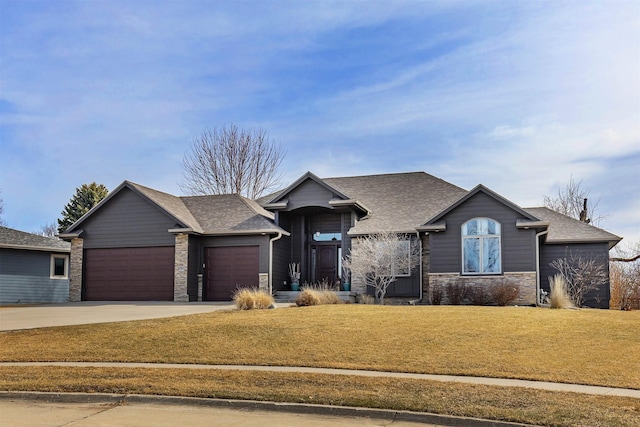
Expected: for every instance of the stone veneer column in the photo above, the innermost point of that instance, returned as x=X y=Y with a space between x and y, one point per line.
x=75 y=269
x=180 y=272
x=263 y=282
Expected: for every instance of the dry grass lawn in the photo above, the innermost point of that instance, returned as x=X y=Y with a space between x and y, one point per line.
x=498 y=403
x=598 y=347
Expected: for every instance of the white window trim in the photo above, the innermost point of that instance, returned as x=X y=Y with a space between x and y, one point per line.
x=481 y=238
x=52 y=269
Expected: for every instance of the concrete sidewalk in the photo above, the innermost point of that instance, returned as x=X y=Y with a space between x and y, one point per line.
x=503 y=382
x=81 y=313
x=28 y=409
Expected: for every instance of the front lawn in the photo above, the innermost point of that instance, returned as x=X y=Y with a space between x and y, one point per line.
x=598 y=347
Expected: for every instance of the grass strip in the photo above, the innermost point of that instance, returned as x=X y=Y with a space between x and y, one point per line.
x=490 y=402
x=596 y=347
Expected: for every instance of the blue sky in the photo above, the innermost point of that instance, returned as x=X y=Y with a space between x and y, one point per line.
x=518 y=96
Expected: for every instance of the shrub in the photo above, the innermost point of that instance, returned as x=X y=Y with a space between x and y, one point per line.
x=308 y=297
x=323 y=291
x=625 y=282
x=559 y=298
x=249 y=299
x=329 y=297
x=456 y=293
x=436 y=294
x=262 y=300
x=479 y=295
x=365 y=299
x=505 y=293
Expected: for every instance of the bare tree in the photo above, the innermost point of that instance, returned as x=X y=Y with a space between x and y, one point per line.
x=581 y=275
x=2 y=221
x=377 y=260
x=231 y=160
x=625 y=277
x=574 y=201
x=48 y=230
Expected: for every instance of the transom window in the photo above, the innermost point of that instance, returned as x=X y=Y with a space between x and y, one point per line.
x=481 y=247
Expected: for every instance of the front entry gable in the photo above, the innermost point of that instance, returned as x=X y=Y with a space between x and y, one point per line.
x=310 y=191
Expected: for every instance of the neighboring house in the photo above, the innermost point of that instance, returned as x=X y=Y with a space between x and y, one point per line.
x=140 y=243
x=33 y=269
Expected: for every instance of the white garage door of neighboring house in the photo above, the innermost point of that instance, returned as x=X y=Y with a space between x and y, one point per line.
x=229 y=267
x=129 y=274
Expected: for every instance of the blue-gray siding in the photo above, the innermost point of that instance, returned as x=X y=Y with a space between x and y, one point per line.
x=309 y=193
x=518 y=246
x=128 y=220
x=25 y=278
x=598 y=298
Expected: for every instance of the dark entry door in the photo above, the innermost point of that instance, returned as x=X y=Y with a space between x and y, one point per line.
x=327 y=263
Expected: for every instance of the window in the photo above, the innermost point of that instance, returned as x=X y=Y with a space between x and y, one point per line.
x=398 y=256
x=59 y=266
x=481 y=247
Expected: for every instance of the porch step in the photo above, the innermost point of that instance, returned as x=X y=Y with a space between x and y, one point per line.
x=290 y=296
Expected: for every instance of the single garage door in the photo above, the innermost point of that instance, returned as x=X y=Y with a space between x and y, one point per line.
x=129 y=274
x=228 y=268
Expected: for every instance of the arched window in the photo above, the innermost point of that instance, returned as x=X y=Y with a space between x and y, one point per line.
x=481 y=247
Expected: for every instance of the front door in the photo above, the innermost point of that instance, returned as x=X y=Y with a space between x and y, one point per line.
x=327 y=263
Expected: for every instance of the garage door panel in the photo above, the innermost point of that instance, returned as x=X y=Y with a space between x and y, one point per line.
x=230 y=267
x=129 y=274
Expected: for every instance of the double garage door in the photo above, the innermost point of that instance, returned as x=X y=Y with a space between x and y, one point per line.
x=147 y=274
x=129 y=274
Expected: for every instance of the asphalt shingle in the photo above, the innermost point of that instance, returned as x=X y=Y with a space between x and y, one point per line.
x=10 y=238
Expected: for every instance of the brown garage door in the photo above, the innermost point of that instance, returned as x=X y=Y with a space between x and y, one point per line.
x=129 y=274
x=230 y=267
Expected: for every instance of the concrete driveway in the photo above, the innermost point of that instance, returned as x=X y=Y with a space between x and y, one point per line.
x=80 y=313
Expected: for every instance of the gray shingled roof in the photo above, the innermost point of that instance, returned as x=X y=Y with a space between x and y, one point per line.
x=171 y=204
x=209 y=215
x=564 y=229
x=16 y=239
x=229 y=213
x=398 y=202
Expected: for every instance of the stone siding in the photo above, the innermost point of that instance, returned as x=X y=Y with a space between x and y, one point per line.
x=75 y=269
x=180 y=273
x=526 y=281
x=263 y=282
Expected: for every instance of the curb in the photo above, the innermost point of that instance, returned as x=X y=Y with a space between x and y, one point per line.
x=253 y=405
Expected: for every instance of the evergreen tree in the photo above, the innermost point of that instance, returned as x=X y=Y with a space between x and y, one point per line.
x=85 y=198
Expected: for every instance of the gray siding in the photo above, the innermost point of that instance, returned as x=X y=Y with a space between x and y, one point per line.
x=309 y=193
x=192 y=268
x=281 y=260
x=25 y=278
x=128 y=220
x=518 y=246
x=598 y=298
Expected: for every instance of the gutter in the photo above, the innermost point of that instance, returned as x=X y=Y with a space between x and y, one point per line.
x=278 y=237
x=538 y=235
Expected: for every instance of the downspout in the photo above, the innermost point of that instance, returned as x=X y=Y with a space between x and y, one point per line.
x=538 y=235
x=420 y=279
x=278 y=237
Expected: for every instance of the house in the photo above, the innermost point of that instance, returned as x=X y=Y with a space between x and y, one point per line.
x=33 y=269
x=139 y=243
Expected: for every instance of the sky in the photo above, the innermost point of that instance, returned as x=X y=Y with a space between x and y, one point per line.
x=519 y=96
